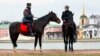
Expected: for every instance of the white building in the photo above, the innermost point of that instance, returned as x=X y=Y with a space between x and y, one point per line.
x=93 y=27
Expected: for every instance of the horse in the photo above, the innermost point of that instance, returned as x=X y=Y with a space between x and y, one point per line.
x=38 y=29
x=69 y=34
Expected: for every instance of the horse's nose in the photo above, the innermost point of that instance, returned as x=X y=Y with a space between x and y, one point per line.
x=58 y=21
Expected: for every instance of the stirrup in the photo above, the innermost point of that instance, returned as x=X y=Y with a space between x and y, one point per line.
x=31 y=34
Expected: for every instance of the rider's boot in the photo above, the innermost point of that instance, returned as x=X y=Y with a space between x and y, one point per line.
x=31 y=33
x=30 y=30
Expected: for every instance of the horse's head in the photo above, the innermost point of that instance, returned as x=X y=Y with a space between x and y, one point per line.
x=53 y=17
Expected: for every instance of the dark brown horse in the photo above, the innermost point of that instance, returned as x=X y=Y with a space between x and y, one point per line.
x=38 y=29
x=69 y=34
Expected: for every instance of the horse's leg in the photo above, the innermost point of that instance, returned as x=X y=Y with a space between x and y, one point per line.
x=71 y=42
x=63 y=30
x=40 y=42
x=14 y=38
x=72 y=46
x=36 y=39
x=66 y=42
x=64 y=37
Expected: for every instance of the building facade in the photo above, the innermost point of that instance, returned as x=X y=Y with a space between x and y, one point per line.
x=92 y=30
x=89 y=27
x=53 y=32
x=83 y=21
x=4 y=30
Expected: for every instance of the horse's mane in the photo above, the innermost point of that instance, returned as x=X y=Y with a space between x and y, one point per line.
x=41 y=18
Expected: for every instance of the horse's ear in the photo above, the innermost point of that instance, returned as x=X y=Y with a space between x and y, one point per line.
x=51 y=11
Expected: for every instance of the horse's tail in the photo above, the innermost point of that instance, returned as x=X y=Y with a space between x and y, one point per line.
x=13 y=32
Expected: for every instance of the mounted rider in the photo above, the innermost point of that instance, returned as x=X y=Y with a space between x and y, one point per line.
x=28 y=17
x=67 y=15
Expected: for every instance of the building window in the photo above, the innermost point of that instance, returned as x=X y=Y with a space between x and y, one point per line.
x=95 y=32
x=82 y=21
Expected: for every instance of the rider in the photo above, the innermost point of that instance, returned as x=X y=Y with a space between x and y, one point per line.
x=28 y=17
x=67 y=15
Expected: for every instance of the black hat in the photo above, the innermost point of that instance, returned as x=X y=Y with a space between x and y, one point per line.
x=28 y=4
x=66 y=6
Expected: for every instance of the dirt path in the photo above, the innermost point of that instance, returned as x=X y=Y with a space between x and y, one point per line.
x=2 y=51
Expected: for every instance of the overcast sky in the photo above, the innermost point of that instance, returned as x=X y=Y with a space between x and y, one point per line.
x=12 y=10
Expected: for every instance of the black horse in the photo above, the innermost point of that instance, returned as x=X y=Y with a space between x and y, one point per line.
x=69 y=34
x=38 y=29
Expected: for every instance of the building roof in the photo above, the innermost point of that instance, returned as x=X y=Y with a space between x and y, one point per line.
x=94 y=16
x=83 y=17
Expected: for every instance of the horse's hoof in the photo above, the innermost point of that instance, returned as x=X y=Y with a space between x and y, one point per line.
x=71 y=50
x=65 y=50
x=34 y=49
x=41 y=51
x=14 y=51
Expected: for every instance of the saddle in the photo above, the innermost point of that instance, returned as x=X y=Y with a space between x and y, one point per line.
x=24 y=27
